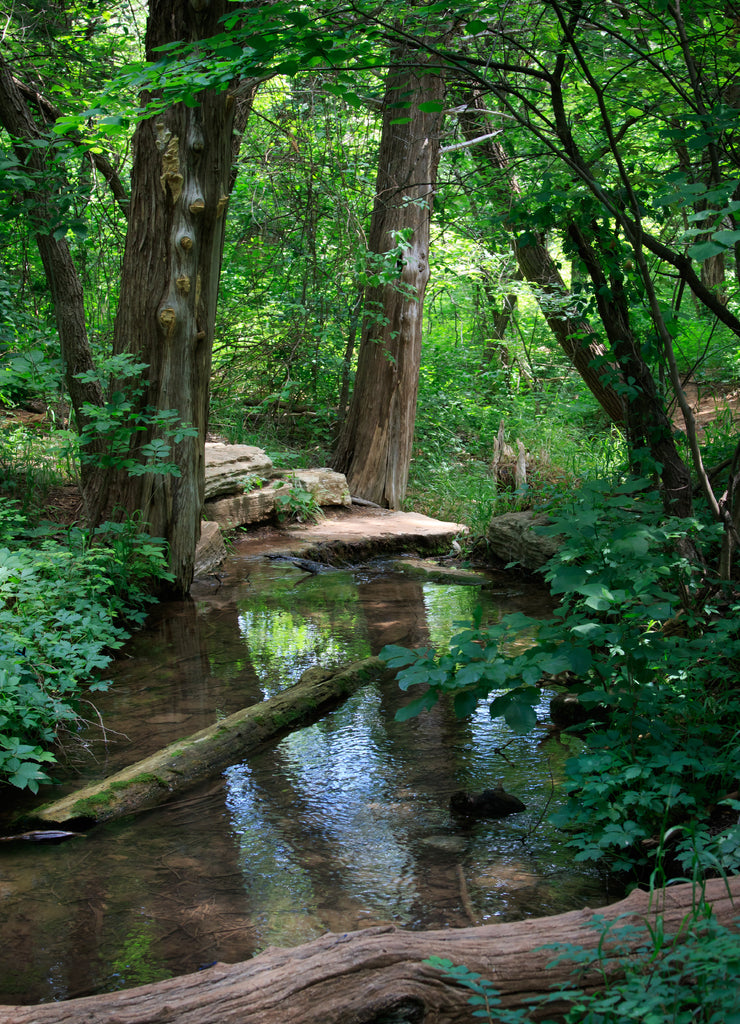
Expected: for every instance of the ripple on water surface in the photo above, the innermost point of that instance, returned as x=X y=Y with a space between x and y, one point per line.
x=340 y=825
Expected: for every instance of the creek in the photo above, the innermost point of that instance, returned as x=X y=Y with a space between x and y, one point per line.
x=341 y=825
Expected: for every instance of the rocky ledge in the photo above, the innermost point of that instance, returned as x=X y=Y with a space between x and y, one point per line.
x=243 y=488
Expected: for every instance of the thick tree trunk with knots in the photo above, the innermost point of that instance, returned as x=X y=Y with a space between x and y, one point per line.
x=169 y=287
x=367 y=976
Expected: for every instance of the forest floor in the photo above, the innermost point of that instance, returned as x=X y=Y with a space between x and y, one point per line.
x=62 y=504
x=710 y=402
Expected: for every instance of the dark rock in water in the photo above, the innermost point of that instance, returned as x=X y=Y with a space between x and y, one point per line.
x=567 y=710
x=491 y=803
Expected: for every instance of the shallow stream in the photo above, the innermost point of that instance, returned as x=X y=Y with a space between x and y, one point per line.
x=338 y=826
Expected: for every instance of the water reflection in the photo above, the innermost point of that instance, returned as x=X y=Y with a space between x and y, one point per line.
x=340 y=825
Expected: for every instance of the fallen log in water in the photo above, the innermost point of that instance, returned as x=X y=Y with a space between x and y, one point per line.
x=194 y=758
x=363 y=977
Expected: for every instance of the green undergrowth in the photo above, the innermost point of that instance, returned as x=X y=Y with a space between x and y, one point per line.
x=651 y=643
x=66 y=600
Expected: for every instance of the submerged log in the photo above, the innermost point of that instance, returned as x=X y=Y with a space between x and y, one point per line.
x=194 y=758
x=363 y=977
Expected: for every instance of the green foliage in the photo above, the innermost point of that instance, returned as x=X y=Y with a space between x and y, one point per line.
x=62 y=602
x=684 y=978
x=296 y=503
x=648 y=645
x=118 y=422
x=31 y=462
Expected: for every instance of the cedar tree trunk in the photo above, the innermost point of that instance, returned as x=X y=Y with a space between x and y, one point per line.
x=374 y=445
x=180 y=182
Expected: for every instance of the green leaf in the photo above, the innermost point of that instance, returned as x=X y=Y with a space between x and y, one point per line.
x=726 y=237
x=705 y=250
x=465 y=704
x=430 y=107
x=521 y=718
x=415 y=707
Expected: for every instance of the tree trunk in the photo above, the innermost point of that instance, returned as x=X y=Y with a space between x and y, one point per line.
x=193 y=759
x=574 y=334
x=374 y=445
x=648 y=426
x=169 y=287
x=30 y=145
x=380 y=974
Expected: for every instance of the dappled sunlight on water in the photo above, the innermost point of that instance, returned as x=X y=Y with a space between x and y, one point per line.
x=340 y=825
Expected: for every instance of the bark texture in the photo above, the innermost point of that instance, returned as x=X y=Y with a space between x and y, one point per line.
x=374 y=446
x=193 y=759
x=169 y=286
x=367 y=976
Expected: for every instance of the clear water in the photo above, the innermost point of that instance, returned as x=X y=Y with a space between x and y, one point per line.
x=339 y=826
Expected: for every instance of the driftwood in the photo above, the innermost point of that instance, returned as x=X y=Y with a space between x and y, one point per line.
x=362 y=977
x=188 y=761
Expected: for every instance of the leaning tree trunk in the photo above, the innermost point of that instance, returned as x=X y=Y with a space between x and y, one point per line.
x=180 y=181
x=574 y=334
x=648 y=426
x=374 y=445
x=31 y=146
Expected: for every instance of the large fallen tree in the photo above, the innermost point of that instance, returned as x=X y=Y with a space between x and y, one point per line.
x=204 y=754
x=380 y=974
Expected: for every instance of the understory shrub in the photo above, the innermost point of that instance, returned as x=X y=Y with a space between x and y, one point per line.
x=64 y=601
x=644 y=634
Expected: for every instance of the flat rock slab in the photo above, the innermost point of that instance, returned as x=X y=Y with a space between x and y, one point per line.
x=326 y=486
x=346 y=535
x=230 y=466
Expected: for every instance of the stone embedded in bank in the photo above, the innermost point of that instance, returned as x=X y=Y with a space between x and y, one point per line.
x=242 y=485
x=513 y=537
x=230 y=466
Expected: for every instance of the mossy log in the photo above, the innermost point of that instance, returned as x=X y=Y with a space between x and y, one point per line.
x=380 y=974
x=203 y=754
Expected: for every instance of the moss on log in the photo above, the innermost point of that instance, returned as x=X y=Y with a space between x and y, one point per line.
x=194 y=758
x=379 y=974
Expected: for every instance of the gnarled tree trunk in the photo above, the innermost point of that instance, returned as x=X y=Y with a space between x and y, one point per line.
x=374 y=446
x=169 y=287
